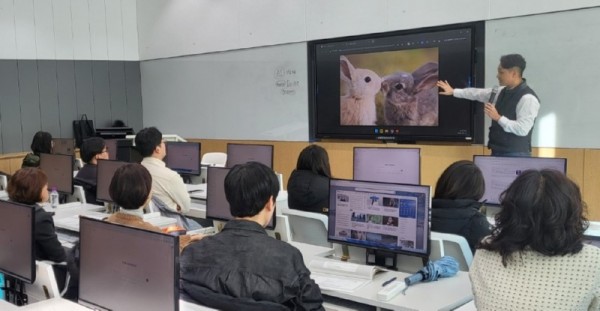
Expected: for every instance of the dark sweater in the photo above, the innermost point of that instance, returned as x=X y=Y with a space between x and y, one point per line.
x=308 y=191
x=461 y=217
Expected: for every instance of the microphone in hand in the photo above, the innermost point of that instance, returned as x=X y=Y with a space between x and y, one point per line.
x=493 y=95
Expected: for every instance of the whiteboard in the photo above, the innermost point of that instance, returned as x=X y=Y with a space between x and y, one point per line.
x=563 y=66
x=255 y=94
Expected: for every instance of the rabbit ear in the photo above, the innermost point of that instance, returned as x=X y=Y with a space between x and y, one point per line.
x=425 y=77
x=346 y=69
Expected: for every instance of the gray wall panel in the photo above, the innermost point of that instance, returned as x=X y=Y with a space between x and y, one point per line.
x=10 y=111
x=134 y=95
x=101 y=94
x=67 y=97
x=84 y=89
x=29 y=99
x=48 y=87
x=118 y=91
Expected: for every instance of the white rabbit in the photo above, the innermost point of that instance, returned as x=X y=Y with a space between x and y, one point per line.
x=358 y=106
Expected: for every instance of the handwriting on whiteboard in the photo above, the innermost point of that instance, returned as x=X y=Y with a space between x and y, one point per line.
x=286 y=80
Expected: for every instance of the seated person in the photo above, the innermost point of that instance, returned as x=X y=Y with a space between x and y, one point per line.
x=455 y=205
x=167 y=185
x=92 y=149
x=242 y=268
x=308 y=186
x=30 y=186
x=535 y=258
x=41 y=143
x=130 y=188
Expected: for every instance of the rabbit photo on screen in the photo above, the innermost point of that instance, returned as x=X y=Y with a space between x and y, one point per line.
x=357 y=106
x=411 y=98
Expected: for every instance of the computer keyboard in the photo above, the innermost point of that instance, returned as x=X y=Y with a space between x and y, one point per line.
x=205 y=231
x=72 y=222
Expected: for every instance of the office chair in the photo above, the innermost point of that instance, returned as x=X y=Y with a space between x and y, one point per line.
x=214 y=159
x=308 y=227
x=78 y=195
x=446 y=244
x=282 y=230
x=45 y=285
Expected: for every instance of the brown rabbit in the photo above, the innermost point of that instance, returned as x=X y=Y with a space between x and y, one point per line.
x=358 y=106
x=410 y=98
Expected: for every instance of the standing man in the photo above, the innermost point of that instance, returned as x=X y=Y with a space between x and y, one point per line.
x=514 y=113
x=167 y=185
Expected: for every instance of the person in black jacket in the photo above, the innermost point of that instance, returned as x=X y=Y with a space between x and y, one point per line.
x=92 y=150
x=30 y=186
x=308 y=186
x=455 y=206
x=241 y=267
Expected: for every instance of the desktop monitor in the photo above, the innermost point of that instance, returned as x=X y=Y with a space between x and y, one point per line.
x=393 y=165
x=59 y=169
x=111 y=146
x=500 y=172
x=126 y=268
x=17 y=227
x=126 y=152
x=242 y=153
x=384 y=218
x=113 y=132
x=105 y=171
x=65 y=146
x=217 y=207
x=183 y=157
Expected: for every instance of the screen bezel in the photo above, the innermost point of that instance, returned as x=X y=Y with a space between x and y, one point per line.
x=197 y=170
x=175 y=242
x=99 y=164
x=270 y=226
x=228 y=164
x=497 y=203
x=50 y=157
x=30 y=210
x=387 y=149
x=331 y=217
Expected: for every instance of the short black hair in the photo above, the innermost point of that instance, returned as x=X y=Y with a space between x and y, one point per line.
x=542 y=211
x=147 y=140
x=41 y=143
x=130 y=186
x=513 y=61
x=91 y=147
x=314 y=158
x=461 y=180
x=248 y=188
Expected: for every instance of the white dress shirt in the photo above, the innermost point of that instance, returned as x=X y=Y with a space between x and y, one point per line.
x=527 y=109
x=167 y=185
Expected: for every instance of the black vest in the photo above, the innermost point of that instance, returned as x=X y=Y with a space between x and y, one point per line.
x=506 y=105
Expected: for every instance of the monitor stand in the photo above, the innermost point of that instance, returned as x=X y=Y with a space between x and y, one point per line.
x=381 y=258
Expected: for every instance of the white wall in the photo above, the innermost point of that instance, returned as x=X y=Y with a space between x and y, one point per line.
x=187 y=27
x=68 y=29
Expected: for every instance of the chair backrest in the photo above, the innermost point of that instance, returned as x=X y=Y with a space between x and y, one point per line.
x=308 y=227
x=45 y=285
x=3 y=182
x=282 y=231
x=78 y=164
x=214 y=158
x=78 y=195
x=446 y=244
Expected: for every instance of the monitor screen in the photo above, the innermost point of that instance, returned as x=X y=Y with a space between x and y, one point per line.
x=125 y=268
x=111 y=146
x=381 y=216
x=126 y=152
x=500 y=172
x=17 y=257
x=64 y=146
x=183 y=157
x=105 y=171
x=242 y=153
x=217 y=207
x=113 y=132
x=394 y=165
x=59 y=169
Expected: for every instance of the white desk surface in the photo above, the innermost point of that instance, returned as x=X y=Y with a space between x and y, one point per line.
x=444 y=294
x=59 y=304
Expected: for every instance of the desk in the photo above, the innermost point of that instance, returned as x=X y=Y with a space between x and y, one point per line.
x=444 y=294
x=59 y=304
